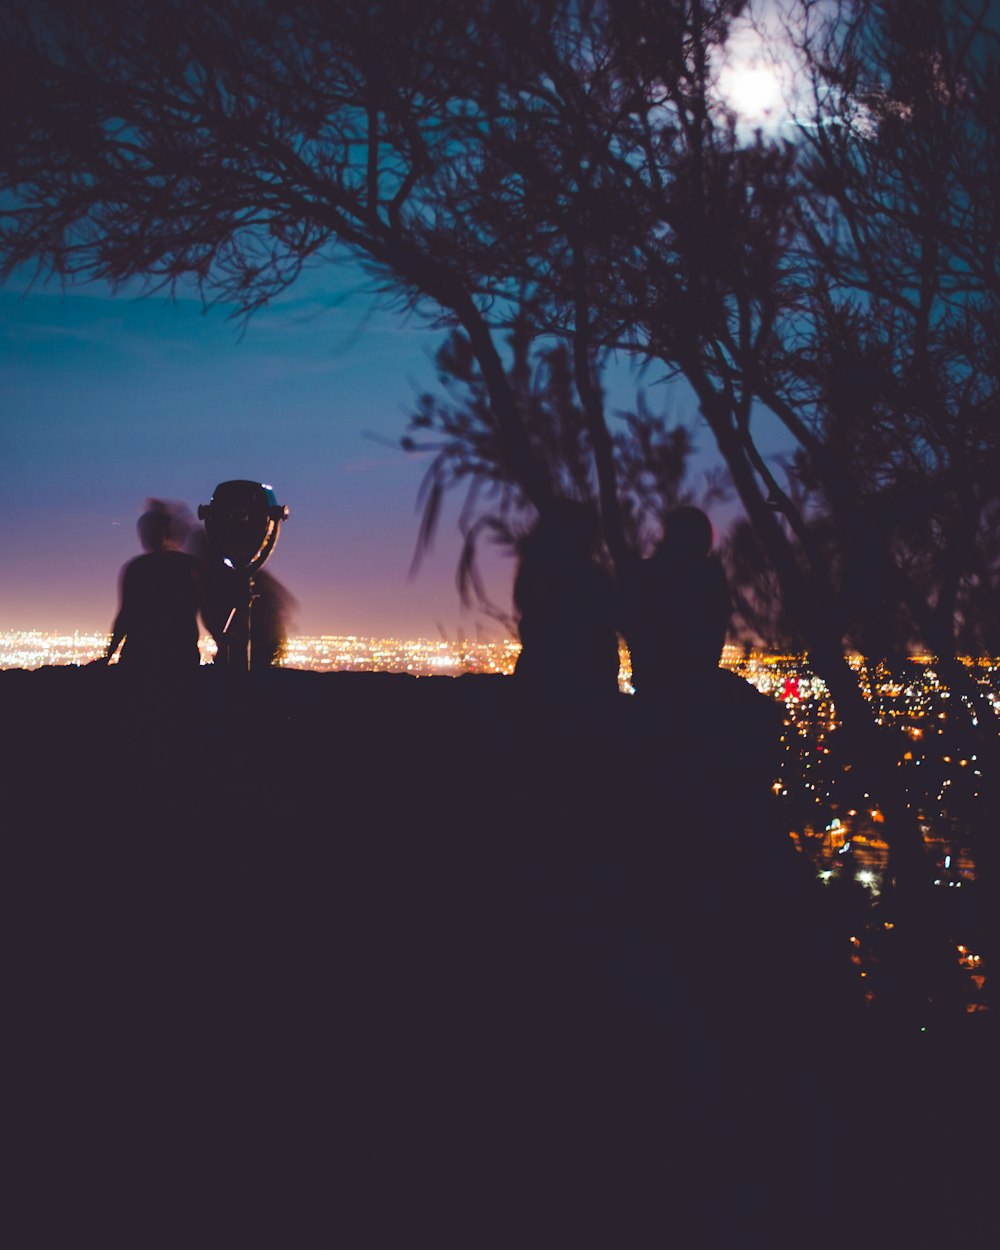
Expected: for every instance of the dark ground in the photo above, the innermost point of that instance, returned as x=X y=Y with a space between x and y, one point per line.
x=369 y=961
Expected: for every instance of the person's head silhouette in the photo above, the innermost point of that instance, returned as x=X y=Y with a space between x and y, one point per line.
x=568 y=527
x=687 y=534
x=154 y=530
x=162 y=525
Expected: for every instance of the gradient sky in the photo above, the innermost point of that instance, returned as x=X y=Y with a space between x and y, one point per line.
x=107 y=400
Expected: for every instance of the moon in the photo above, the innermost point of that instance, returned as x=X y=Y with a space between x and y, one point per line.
x=759 y=74
x=753 y=92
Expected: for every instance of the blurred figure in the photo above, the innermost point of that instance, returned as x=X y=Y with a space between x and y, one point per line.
x=567 y=607
x=272 y=605
x=223 y=609
x=159 y=595
x=680 y=609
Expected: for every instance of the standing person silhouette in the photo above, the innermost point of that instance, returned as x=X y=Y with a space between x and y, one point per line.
x=680 y=610
x=158 y=616
x=567 y=607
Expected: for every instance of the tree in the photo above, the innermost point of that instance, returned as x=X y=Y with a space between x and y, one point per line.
x=899 y=350
x=649 y=453
x=233 y=144
x=570 y=172
x=899 y=340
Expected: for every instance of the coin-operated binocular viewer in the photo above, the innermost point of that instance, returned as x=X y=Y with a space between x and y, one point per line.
x=241 y=525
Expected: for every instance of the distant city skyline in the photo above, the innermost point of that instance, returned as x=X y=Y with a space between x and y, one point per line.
x=108 y=400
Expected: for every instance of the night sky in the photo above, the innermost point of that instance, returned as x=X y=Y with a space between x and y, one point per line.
x=108 y=400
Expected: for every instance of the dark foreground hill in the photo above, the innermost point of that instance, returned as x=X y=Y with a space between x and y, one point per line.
x=372 y=961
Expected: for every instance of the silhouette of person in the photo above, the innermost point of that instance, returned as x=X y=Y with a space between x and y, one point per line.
x=159 y=595
x=680 y=609
x=567 y=607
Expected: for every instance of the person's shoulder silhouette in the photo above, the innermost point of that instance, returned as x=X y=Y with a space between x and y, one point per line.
x=681 y=607
x=566 y=605
x=157 y=619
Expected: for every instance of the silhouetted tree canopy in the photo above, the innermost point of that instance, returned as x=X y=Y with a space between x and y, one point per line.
x=571 y=173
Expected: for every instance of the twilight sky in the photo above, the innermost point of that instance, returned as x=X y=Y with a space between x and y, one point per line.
x=105 y=401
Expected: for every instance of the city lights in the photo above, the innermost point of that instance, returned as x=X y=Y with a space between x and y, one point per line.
x=819 y=790
x=325 y=653
x=828 y=811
